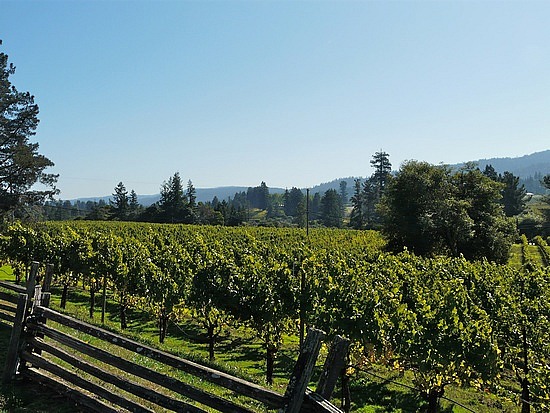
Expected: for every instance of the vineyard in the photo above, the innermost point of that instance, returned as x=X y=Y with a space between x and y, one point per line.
x=441 y=322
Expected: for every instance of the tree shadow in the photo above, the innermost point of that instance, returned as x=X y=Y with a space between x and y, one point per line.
x=378 y=393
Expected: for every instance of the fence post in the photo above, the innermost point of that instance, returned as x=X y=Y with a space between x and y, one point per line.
x=295 y=391
x=334 y=364
x=46 y=284
x=31 y=282
x=12 y=355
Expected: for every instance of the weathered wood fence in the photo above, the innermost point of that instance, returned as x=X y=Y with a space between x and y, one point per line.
x=53 y=354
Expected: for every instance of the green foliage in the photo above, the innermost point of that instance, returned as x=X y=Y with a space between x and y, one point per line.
x=21 y=166
x=431 y=210
x=331 y=209
x=443 y=320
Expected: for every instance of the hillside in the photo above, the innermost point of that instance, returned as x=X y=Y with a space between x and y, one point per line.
x=528 y=167
x=524 y=166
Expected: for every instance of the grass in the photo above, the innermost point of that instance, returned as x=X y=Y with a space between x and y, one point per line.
x=25 y=396
x=238 y=353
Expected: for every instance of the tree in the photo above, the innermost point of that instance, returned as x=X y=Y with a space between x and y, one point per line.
x=431 y=210
x=344 y=192
x=134 y=207
x=315 y=206
x=546 y=183
x=356 y=216
x=191 y=206
x=331 y=209
x=513 y=195
x=490 y=172
x=382 y=168
x=120 y=203
x=21 y=166
x=258 y=197
x=172 y=200
x=292 y=200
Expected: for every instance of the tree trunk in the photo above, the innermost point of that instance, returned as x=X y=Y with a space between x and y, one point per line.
x=525 y=396
x=433 y=400
x=163 y=325
x=92 y=301
x=211 y=342
x=123 y=307
x=64 y=295
x=270 y=363
x=104 y=300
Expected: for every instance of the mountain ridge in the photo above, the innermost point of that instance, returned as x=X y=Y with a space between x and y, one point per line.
x=525 y=166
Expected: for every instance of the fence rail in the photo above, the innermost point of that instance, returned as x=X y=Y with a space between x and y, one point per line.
x=44 y=347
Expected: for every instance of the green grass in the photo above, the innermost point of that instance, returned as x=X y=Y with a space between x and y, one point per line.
x=24 y=396
x=239 y=353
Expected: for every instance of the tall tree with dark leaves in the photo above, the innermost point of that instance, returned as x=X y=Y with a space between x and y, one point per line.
x=432 y=210
x=292 y=201
x=172 y=200
x=21 y=166
x=356 y=216
x=513 y=194
x=315 y=207
x=370 y=197
x=331 y=209
x=344 y=192
x=134 y=206
x=382 y=168
x=490 y=172
x=120 y=203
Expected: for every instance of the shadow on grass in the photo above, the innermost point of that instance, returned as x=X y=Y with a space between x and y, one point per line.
x=378 y=393
x=25 y=396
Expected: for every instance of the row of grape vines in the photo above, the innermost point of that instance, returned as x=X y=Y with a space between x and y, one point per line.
x=447 y=320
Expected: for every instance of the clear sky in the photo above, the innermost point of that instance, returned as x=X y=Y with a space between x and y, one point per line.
x=293 y=93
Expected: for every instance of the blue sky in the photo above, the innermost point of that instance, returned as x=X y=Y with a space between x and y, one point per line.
x=293 y=93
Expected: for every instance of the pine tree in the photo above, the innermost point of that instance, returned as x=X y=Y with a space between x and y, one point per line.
x=331 y=209
x=172 y=200
x=356 y=217
x=382 y=169
x=21 y=166
x=513 y=195
x=120 y=203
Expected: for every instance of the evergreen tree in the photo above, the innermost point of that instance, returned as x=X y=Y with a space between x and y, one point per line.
x=300 y=218
x=258 y=197
x=191 y=194
x=191 y=206
x=490 y=172
x=315 y=207
x=135 y=208
x=172 y=200
x=292 y=200
x=344 y=192
x=546 y=183
x=331 y=209
x=21 y=166
x=120 y=203
x=133 y=202
x=356 y=217
x=215 y=202
x=370 y=198
x=382 y=168
x=513 y=195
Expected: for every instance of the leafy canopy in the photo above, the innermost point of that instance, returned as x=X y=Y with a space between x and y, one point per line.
x=21 y=166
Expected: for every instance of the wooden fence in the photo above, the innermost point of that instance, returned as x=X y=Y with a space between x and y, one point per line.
x=47 y=353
